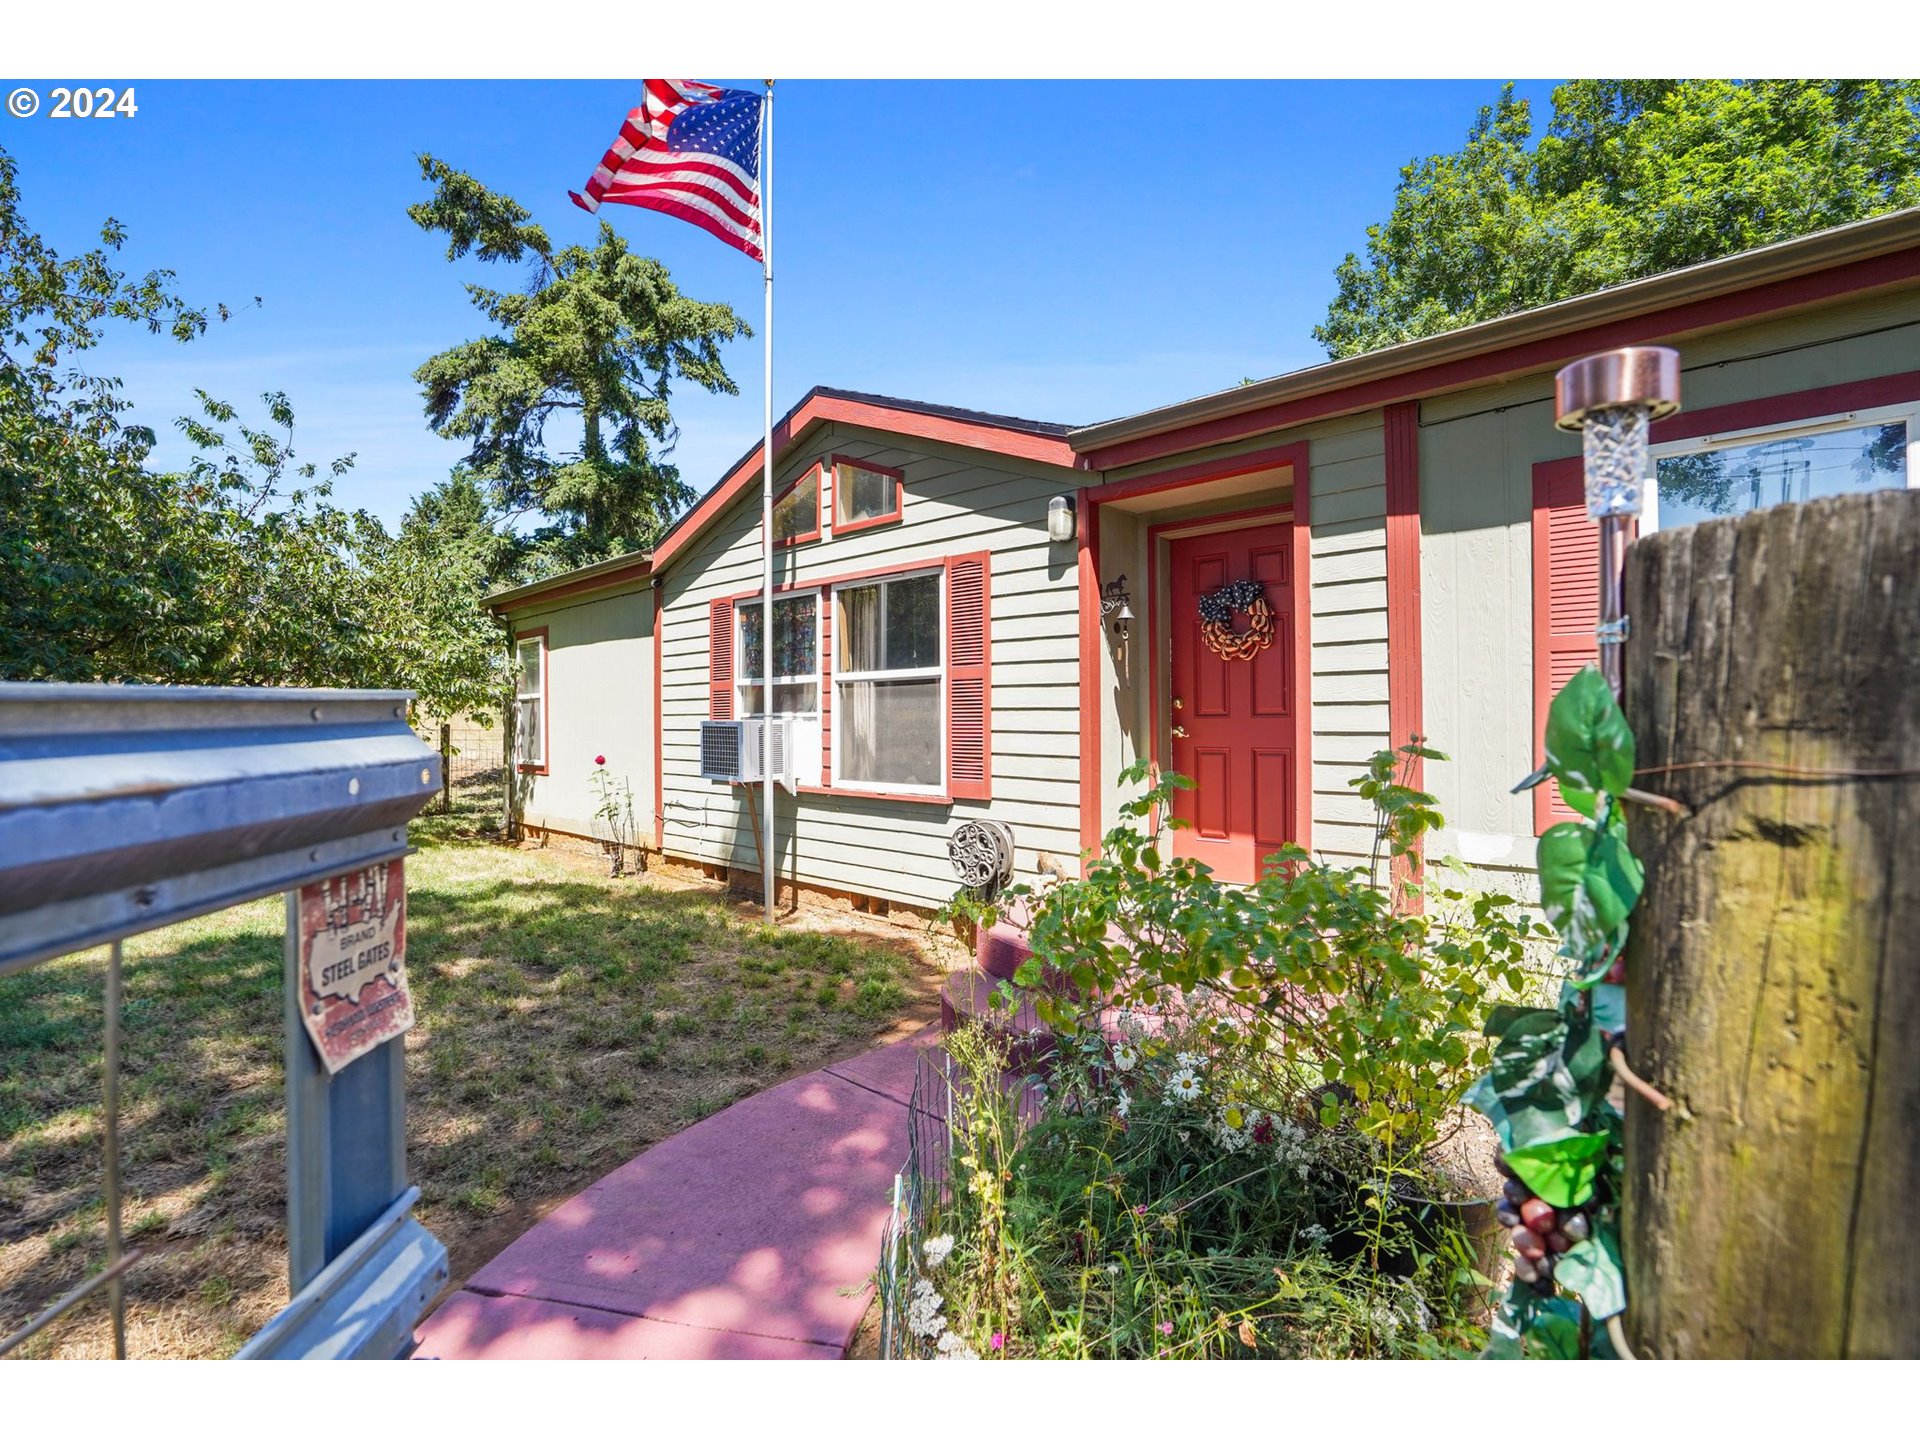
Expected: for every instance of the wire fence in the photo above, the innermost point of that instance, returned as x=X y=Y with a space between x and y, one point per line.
x=472 y=760
x=937 y=1118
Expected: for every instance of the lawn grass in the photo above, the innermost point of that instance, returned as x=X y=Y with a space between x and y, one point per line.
x=566 y=1020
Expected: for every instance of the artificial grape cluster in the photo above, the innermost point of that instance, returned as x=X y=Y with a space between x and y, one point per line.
x=1539 y=1233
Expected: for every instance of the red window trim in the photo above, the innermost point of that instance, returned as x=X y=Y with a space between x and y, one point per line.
x=1789 y=409
x=910 y=798
x=854 y=527
x=819 y=504
x=520 y=637
x=826 y=584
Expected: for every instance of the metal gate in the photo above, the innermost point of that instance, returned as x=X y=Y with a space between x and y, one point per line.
x=124 y=808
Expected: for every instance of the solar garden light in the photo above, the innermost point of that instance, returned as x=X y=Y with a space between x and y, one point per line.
x=1612 y=399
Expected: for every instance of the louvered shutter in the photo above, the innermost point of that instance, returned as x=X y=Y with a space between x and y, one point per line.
x=969 y=678
x=720 y=661
x=826 y=686
x=1566 y=605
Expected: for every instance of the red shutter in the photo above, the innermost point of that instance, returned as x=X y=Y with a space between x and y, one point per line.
x=1566 y=604
x=969 y=678
x=720 y=661
x=826 y=687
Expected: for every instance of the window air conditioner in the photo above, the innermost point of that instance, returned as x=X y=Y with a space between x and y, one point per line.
x=736 y=750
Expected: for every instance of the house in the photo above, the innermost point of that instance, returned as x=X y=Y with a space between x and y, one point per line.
x=1411 y=518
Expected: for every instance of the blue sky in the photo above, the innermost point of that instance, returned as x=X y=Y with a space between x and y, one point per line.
x=1063 y=250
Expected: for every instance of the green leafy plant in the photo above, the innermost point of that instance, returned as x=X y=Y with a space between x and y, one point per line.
x=1341 y=994
x=966 y=914
x=1546 y=1092
x=1134 y=1208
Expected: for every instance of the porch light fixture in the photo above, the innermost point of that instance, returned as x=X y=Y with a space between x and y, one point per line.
x=1060 y=527
x=1114 y=598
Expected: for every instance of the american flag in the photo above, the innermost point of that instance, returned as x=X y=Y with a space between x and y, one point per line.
x=692 y=151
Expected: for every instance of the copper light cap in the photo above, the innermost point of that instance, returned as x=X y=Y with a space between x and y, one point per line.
x=1646 y=375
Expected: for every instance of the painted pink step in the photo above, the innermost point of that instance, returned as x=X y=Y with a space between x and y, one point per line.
x=968 y=995
x=1000 y=950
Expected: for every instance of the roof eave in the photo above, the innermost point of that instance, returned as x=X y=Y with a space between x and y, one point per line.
x=1785 y=260
x=617 y=570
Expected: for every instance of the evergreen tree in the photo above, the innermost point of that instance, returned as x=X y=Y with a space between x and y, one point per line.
x=595 y=340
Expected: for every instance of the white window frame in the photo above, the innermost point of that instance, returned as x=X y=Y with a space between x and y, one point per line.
x=1908 y=411
x=938 y=673
x=521 y=695
x=742 y=682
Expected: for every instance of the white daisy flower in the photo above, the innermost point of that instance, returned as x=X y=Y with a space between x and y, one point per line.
x=1184 y=1086
x=1188 y=1060
x=1125 y=1057
x=1122 y=1104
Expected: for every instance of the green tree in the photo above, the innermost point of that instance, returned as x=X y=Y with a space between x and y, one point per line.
x=455 y=518
x=97 y=578
x=594 y=340
x=237 y=570
x=1632 y=178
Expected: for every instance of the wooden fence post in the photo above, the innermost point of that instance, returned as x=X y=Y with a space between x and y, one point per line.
x=446 y=767
x=1773 y=685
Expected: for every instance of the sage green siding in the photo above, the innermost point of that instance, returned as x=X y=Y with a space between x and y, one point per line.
x=1477 y=452
x=957 y=501
x=599 y=702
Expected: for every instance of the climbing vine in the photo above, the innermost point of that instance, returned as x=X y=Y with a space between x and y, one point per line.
x=1547 y=1091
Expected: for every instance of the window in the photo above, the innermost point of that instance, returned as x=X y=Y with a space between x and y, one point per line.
x=530 y=695
x=889 y=727
x=1719 y=475
x=796 y=511
x=864 y=495
x=796 y=656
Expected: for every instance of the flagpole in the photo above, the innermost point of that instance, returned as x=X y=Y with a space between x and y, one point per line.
x=766 y=503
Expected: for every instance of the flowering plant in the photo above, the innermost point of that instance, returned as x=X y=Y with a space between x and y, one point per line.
x=1332 y=990
x=615 y=812
x=1151 y=1211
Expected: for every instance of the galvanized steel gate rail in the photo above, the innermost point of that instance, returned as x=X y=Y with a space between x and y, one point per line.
x=124 y=808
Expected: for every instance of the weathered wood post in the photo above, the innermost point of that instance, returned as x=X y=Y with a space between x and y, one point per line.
x=446 y=767
x=1773 y=685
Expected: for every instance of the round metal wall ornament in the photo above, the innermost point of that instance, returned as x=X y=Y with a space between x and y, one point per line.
x=1217 y=610
x=982 y=855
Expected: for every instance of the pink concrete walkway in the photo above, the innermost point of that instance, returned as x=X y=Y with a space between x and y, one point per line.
x=735 y=1239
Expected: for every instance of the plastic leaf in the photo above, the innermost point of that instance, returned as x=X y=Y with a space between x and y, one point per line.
x=1609 y=1008
x=1561 y=1172
x=1589 y=882
x=1588 y=743
x=1592 y=1271
x=1528 y=1093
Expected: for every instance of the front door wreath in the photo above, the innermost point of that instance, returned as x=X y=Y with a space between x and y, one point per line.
x=1217 y=610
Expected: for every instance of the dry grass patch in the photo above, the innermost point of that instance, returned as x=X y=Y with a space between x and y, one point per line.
x=566 y=1021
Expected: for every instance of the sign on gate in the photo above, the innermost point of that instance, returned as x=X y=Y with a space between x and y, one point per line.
x=353 y=962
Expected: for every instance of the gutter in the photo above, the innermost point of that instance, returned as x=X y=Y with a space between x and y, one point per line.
x=1784 y=260
x=599 y=575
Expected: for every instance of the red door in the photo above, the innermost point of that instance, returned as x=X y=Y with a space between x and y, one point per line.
x=1238 y=716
